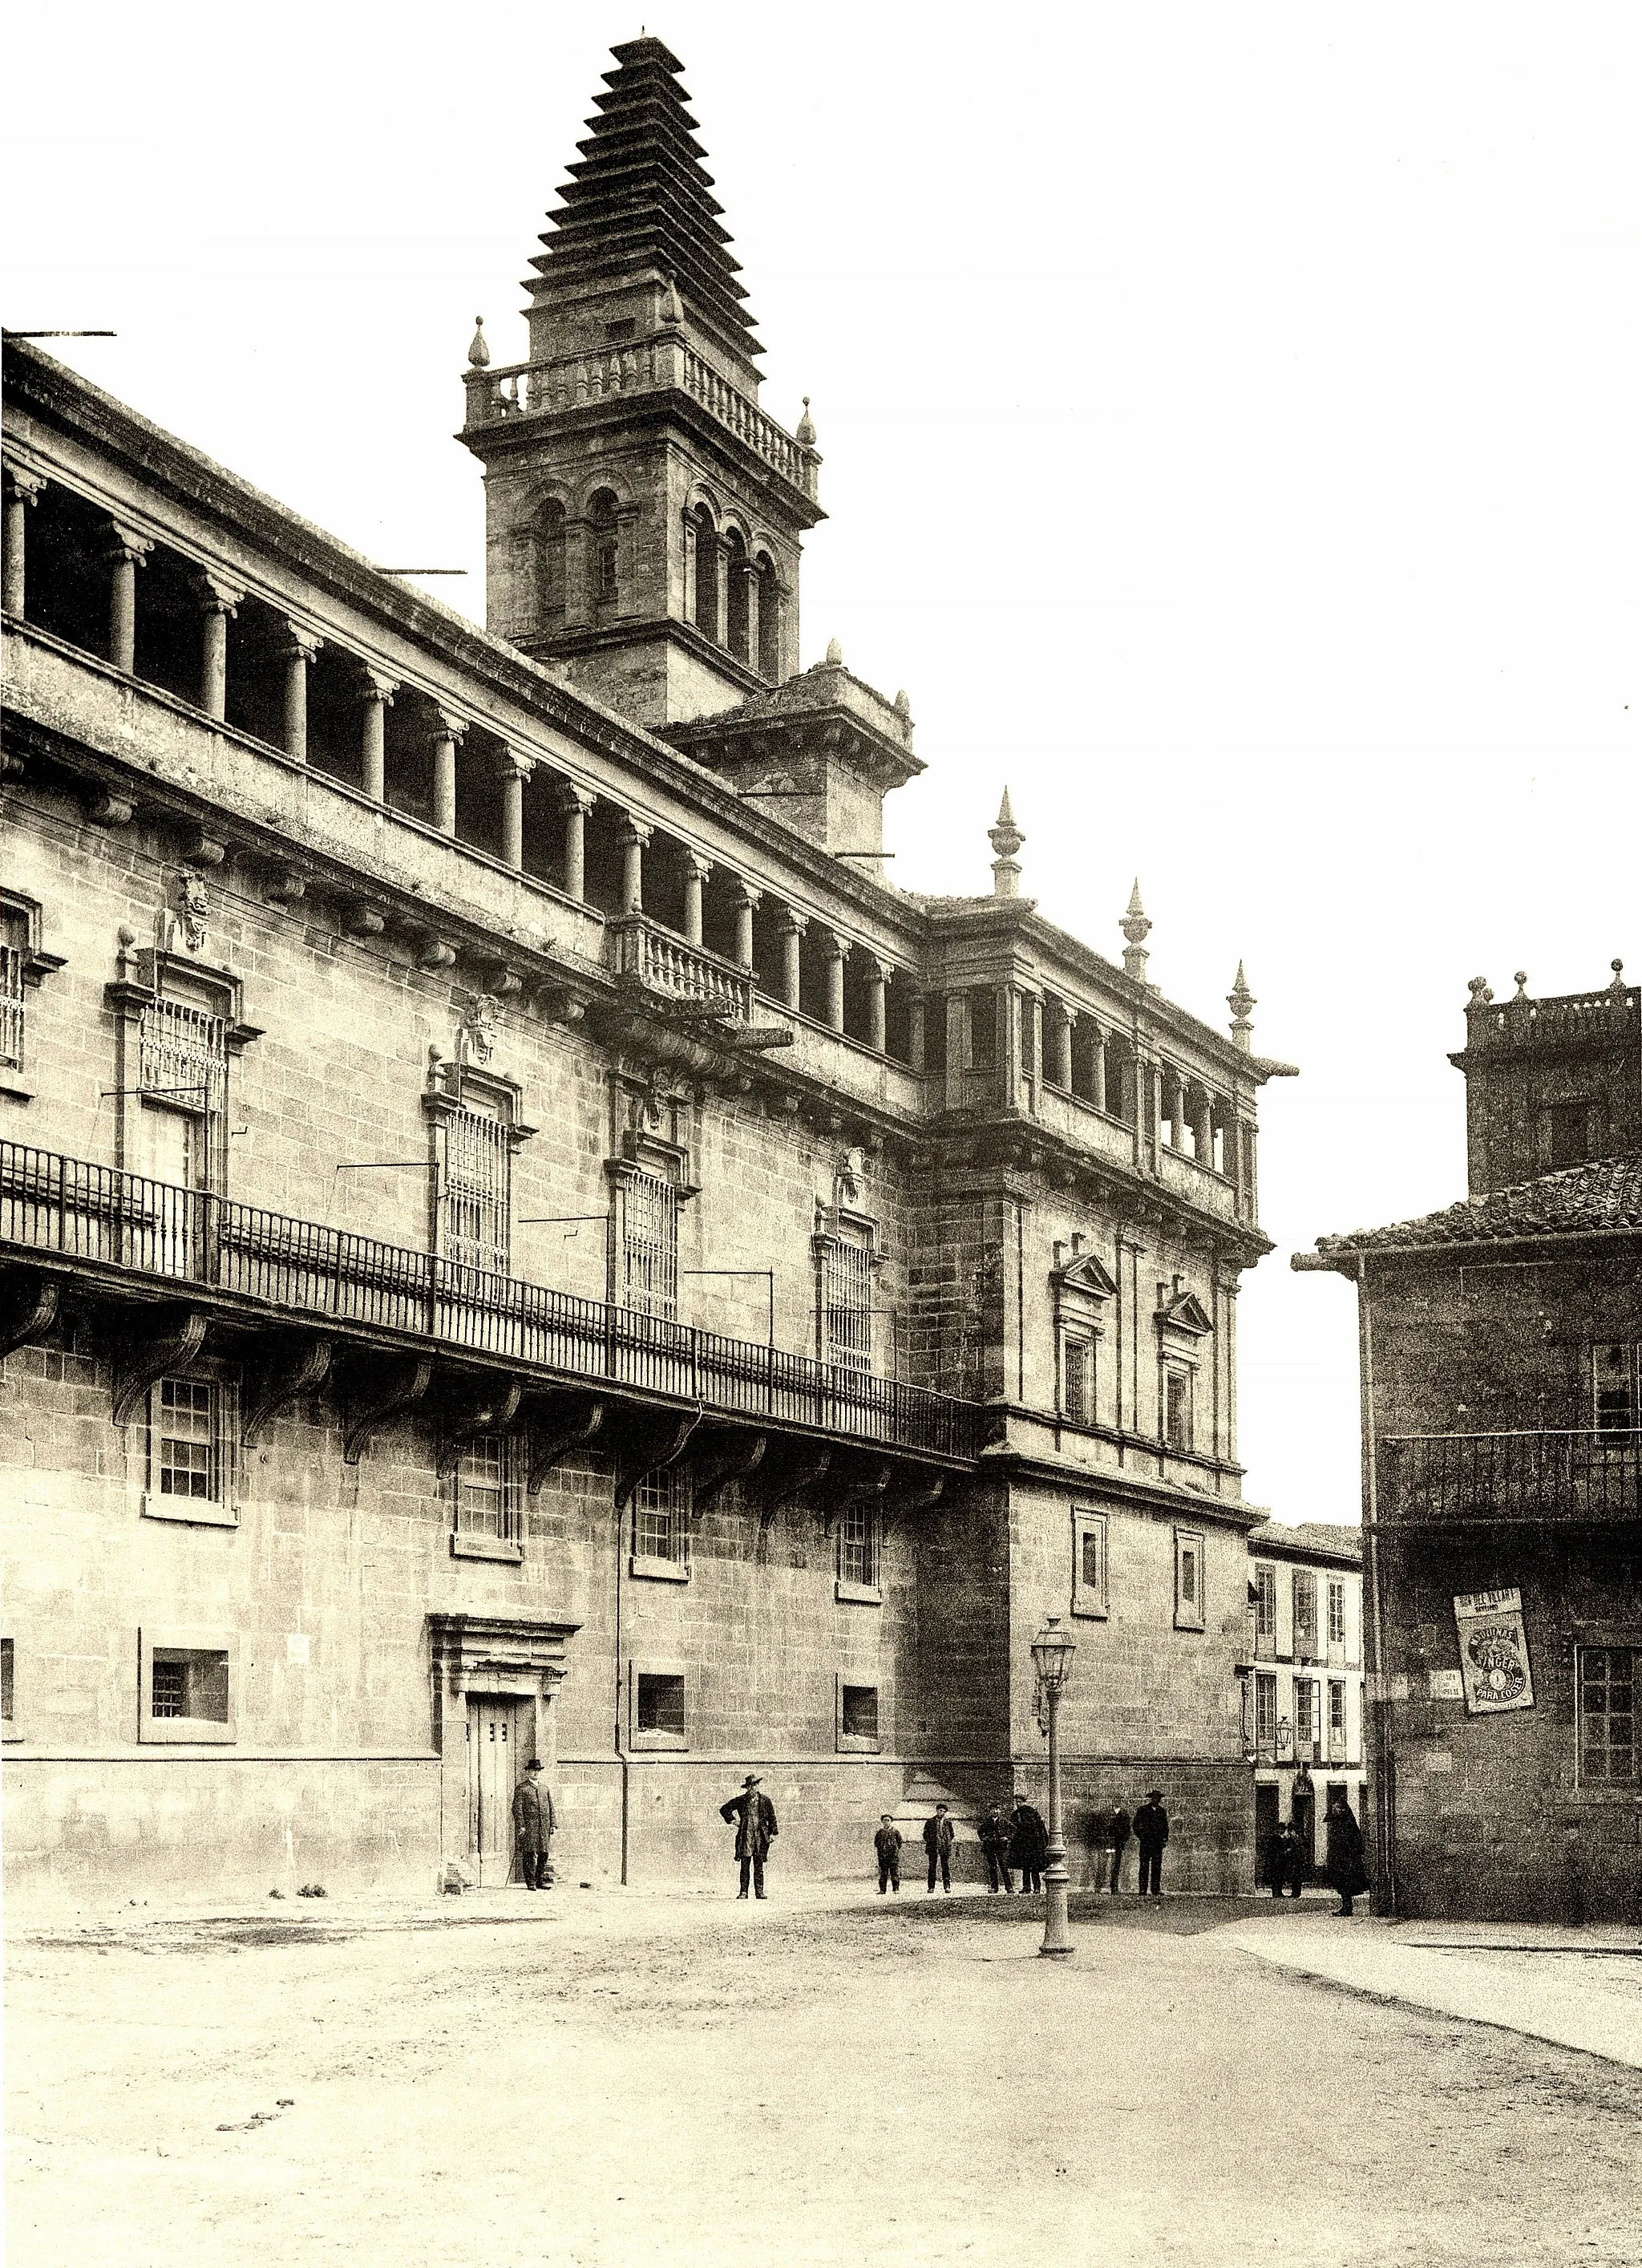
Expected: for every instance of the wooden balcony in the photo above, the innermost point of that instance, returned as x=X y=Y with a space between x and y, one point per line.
x=1511 y=1479
x=120 y=1229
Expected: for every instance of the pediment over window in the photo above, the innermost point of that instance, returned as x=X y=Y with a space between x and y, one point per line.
x=1187 y=1313
x=1085 y=1276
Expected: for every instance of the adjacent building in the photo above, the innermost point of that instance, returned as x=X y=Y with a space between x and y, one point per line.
x=1501 y=1344
x=514 y=1237
x=1303 y=1676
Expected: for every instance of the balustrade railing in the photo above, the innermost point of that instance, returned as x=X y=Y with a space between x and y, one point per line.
x=1579 y=1474
x=97 y=1216
x=658 y=959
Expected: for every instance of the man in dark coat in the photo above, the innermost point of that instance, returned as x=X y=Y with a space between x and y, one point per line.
x=1151 y=1833
x=1029 y=1846
x=752 y=1816
x=533 y=1823
x=1343 y=1864
x=1284 y=1861
x=995 y=1841
x=938 y=1846
x=887 y=1843
x=1302 y=1809
x=1122 y=1828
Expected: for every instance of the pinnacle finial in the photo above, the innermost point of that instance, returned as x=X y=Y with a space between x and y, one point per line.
x=904 y=704
x=1006 y=839
x=1618 y=984
x=834 y=654
x=1137 y=929
x=1239 y=1000
x=479 y=353
x=805 y=435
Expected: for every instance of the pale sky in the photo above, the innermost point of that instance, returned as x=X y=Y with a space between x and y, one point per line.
x=1231 y=437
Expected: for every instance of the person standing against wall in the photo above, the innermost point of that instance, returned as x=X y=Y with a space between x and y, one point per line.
x=752 y=1816
x=1151 y=1833
x=1029 y=1846
x=533 y=1823
x=938 y=1847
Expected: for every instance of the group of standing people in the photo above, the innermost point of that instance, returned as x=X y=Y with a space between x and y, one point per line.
x=1110 y=1833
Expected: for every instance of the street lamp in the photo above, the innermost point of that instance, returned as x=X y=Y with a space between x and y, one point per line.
x=1052 y=1650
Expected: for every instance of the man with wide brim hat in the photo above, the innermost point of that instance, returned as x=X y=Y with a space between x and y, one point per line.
x=1151 y=1833
x=753 y=1816
x=533 y=1823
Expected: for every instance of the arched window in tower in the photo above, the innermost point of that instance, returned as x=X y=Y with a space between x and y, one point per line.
x=550 y=592
x=602 y=554
x=704 y=529
x=769 y=655
x=736 y=628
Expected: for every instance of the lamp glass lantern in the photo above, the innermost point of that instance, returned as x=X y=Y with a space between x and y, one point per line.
x=1052 y=1650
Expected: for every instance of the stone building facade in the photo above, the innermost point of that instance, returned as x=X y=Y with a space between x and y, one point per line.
x=1303 y=1688
x=509 y=1241
x=1502 y=1401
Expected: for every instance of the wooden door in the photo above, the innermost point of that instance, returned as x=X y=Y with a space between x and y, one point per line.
x=1267 y=1799
x=496 y=1726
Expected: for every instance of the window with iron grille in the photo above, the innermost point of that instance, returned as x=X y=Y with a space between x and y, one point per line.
x=1077 y=1377
x=1337 y=1720
x=846 y=1295
x=487 y=1490
x=475 y=1194
x=1305 y=1608
x=186 y=1682
x=648 y=1281
x=1608 y=1725
x=1337 y=1613
x=1188 y=1578
x=182 y=1055
x=661 y=1516
x=858 y=1546
x=13 y=1013
x=185 y=1433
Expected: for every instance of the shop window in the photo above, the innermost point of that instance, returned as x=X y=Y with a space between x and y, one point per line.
x=187 y=1681
x=1607 y=1709
x=1188 y=1578
x=858 y=1553
x=661 y=1524
x=1089 y=1563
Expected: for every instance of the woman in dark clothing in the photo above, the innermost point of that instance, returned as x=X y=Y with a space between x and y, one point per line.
x=1029 y=1846
x=1343 y=1869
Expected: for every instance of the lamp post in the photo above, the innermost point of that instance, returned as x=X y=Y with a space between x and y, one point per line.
x=1052 y=1650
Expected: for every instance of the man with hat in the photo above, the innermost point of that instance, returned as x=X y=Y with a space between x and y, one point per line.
x=1151 y=1833
x=533 y=1823
x=752 y=1816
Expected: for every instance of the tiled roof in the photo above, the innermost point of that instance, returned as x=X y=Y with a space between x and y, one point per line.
x=1605 y=1193
x=1318 y=1539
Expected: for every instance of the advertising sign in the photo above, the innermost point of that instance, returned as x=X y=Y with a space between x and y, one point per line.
x=1494 y=1652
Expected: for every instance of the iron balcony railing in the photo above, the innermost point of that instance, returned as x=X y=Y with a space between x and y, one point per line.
x=1512 y=1477
x=156 y=1230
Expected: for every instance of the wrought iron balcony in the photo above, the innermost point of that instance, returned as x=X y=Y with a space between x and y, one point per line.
x=119 y=1226
x=1513 y=1478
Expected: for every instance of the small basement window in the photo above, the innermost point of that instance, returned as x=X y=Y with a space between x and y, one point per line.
x=659 y=1719
x=858 y=1710
x=187 y=1681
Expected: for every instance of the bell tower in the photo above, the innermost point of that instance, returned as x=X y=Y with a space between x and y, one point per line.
x=642 y=514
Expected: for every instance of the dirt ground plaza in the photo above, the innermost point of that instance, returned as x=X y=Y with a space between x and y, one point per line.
x=597 y=2078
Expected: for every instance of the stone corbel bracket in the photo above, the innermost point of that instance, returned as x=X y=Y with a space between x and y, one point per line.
x=28 y=1308
x=568 y=1428
x=170 y=1353
x=407 y=1384
x=741 y=1455
x=652 y=1450
x=867 y=1484
x=798 y=1466
x=488 y=1408
x=920 y=1491
x=304 y=1371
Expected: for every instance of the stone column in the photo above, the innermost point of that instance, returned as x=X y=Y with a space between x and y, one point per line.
x=958 y=1047
x=1097 y=1070
x=22 y=489
x=752 y=616
x=792 y=929
x=575 y=803
x=1203 y=1131
x=1174 y=1086
x=915 y=1042
x=1060 y=1021
x=696 y=871
x=218 y=600
x=835 y=951
x=689 y=568
x=448 y=734
x=299 y=650
x=127 y=553
x=747 y=899
x=877 y=979
x=513 y=770
x=375 y=695
x=720 y=594
x=634 y=836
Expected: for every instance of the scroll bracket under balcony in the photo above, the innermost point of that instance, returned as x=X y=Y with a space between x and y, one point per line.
x=743 y=1456
x=172 y=1353
x=800 y=1467
x=653 y=1452
x=492 y=1409
x=551 y=1444
x=30 y=1309
x=409 y=1384
x=302 y=1373
x=869 y=1485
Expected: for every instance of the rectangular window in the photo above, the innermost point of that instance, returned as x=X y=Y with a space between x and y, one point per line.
x=488 y=1492
x=1077 y=1377
x=182 y=1055
x=1188 y=1578
x=858 y=1713
x=1616 y=1400
x=1336 y=1612
x=661 y=1524
x=1178 y=1414
x=1265 y=1586
x=13 y=1014
x=186 y=1438
x=649 y=1245
x=1608 y=1725
x=1089 y=1568
x=185 y=1681
x=1337 y=1720
x=1304 y=1589
x=8 y=1684
x=475 y=1195
x=857 y=1569
x=659 y=1703
x=1265 y=1715
x=846 y=1295
x=1306 y=1720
